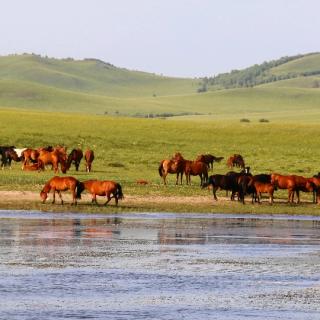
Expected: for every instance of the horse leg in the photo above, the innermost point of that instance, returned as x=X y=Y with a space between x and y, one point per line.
x=116 y=200
x=60 y=196
x=164 y=176
x=271 y=198
x=74 y=199
x=214 y=190
x=54 y=196
x=108 y=197
x=94 y=199
x=298 y=196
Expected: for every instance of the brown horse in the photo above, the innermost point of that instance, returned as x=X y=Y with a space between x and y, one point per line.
x=39 y=166
x=196 y=168
x=54 y=158
x=174 y=165
x=110 y=189
x=89 y=157
x=284 y=182
x=29 y=156
x=75 y=157
x=262 y=187
x=305 y=185
x=209 y=159
x=236 y=161
x=58 y=184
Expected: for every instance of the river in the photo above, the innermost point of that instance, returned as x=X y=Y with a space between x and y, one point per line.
x=158 y=266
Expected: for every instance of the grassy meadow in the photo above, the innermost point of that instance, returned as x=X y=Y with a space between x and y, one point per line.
x=129 y=149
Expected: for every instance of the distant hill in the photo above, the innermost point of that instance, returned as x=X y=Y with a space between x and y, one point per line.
x=299 y=66
x=287 y=88
x=90 y=76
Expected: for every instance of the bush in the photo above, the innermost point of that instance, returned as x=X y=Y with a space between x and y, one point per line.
x=263 y=120
x=244 y=120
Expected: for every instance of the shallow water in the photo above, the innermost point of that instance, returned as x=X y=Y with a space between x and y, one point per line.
x=158 y=266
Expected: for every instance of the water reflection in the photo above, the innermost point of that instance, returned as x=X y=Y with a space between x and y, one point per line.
x=164 y=267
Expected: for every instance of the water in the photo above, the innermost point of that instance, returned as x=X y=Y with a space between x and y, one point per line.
x=158 y=266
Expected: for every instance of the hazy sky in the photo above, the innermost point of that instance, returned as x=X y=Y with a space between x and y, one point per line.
x=171 y=37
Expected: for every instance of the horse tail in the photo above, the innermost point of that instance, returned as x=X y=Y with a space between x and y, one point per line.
x=160 y=169
x=119 y=193
x=80 y=188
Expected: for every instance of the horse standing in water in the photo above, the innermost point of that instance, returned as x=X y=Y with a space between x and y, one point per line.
x=89 y=157
x=110 y=189
x=75 y=157
x=58 y=184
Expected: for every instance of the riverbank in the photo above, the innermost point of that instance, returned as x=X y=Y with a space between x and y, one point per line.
x=29 y=200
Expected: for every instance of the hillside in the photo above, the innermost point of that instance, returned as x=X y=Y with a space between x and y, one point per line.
x=90 y=76
x=92 y=86
x=273 y=71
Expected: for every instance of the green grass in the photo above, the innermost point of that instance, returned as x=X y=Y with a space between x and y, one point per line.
x=128 y=149
x=305 y=64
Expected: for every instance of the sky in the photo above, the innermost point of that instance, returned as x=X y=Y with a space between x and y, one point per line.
x=183 y=38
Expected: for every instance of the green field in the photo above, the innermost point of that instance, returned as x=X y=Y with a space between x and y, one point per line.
x=128 y=149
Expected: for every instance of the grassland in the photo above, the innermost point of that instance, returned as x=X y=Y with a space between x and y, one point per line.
x=93 y=87
x=128 y=149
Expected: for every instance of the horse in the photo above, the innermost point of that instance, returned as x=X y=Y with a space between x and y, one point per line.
x=58 y=184
x=209 y=159
x=263 y=187
x=54 y=158
x=174 y=165
x=29 y=156
x=196 y=168
x=38 y=166
x=236 y=161
x=101 y=188
x=305 y=185
x=284 y=182
x=75 y=156
x=89 y=157
x=4 y=160
x=7 y=156
x=224 y=182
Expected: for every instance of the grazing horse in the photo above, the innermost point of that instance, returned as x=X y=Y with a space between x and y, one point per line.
x=236 y=161
x=174 y=165
x=58 y=184
x=101 y=188
x=89 y=157
x=54 y=158
x=209 y=159
x=196 y=168
x=75 y=157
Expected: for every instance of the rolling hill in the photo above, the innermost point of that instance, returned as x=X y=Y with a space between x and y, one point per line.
x=283 y=89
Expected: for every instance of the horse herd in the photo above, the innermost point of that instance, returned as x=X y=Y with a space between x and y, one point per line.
x=38 y=159
x=239 y=183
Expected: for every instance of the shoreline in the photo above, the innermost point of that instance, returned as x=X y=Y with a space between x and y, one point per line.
x=30 y=200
